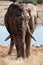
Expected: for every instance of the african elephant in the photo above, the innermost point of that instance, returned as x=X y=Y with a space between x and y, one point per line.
x=20 y=23
x=17 y=23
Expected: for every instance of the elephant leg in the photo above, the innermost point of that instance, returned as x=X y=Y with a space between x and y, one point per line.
x=11 y=46
x=27 y=40
x=18 y=49
x=22 y=50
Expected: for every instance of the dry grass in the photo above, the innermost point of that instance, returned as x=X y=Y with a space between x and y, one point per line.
x=36 y=57
x=2 y=62
x=32 y=60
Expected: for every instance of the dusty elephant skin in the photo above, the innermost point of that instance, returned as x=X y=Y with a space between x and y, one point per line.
x=17 y=20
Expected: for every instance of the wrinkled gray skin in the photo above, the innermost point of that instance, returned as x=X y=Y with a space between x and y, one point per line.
x=20 y=23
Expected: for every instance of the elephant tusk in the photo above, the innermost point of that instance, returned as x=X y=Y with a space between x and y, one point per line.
x=30 y=33
x=32 y=36
x=7 y=38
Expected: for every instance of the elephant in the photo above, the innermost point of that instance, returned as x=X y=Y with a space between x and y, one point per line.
x=20 y=21
x=17 y=23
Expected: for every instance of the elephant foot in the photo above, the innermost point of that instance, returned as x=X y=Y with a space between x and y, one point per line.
x=9 y=53
x=20 y=58
x=27 y=54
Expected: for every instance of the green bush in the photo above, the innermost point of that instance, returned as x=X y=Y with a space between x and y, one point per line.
x=40 y=1
x=31 y=1
x=16 y=0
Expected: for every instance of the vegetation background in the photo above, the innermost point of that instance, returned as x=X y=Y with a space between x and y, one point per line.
x=29 y=1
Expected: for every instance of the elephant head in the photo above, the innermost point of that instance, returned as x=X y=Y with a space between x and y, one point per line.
x=26 y=15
